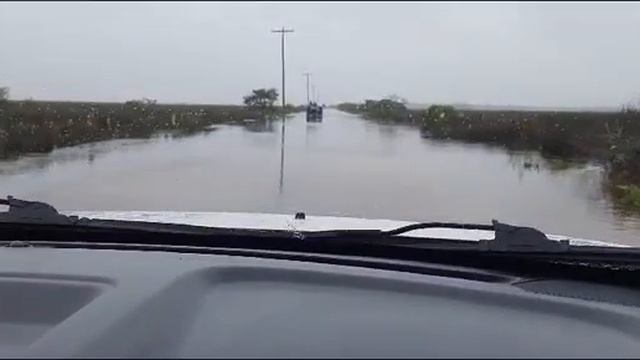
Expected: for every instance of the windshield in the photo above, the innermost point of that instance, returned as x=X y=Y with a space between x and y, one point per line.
x=458 y=112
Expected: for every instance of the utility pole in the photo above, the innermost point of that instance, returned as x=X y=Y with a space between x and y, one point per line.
x=307 y=76
x=282 y=33
x=313 y=92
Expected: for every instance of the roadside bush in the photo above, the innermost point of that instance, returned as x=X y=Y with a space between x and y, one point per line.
x=385 y=109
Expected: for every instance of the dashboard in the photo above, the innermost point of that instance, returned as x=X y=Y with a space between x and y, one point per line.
x=73 y=302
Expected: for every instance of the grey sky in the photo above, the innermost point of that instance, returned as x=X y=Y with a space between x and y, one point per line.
x=542 y=54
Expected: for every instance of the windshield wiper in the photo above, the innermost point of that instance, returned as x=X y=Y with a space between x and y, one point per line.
x=25 y=213
x=507 y=238
x=520 y=249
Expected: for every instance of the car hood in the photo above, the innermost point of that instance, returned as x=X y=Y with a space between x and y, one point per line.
x=310 y=223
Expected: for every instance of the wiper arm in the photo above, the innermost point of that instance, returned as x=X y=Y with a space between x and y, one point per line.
x=508 y=238
x=431 y=225
x=34 y=213
x=521 y=238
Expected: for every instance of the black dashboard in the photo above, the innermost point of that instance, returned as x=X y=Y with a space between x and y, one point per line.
x=78 y=302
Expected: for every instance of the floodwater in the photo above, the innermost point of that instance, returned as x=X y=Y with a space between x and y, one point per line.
x=342 y=166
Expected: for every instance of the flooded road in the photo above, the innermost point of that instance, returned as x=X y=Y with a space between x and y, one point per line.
x=342 y=166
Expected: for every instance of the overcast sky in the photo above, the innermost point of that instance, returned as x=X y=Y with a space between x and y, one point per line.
x=542 y=54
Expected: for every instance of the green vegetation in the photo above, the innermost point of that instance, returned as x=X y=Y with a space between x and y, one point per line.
x=388 y=109
x=610 y=138
x=263 y=103
x=555 y=134
x=41 y=126
x=385 y=109
x=628 y=196
x=562 y=134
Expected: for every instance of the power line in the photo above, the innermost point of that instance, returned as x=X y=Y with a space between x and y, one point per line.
x=307 y=76
x=313 y=92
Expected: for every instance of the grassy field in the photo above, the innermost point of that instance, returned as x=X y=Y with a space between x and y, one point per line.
x=562 y=134
x=41 y=126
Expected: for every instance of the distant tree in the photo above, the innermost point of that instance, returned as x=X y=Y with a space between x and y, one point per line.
x=396 y=99
x=144 y=101
x=148 y=101
x=632 y=107
x=262 y=100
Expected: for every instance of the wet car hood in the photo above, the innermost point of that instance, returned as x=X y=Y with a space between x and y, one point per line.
x=310 y=223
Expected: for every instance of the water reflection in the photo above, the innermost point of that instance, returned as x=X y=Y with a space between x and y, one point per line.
x=177 y=134
x=388 y=131
x=90 y=152
x=534 y=161
x=259 y=126
x=282 y=139
x=531 y=161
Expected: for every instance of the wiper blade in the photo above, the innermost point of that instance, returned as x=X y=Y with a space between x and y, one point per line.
x=431 y=225
x=508 y=238
x=35 y=213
